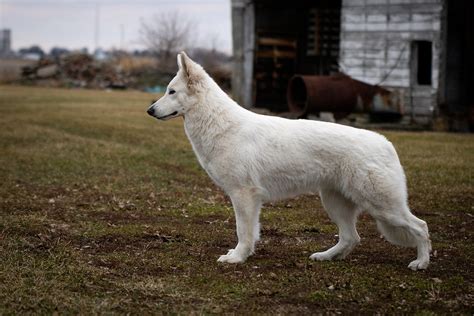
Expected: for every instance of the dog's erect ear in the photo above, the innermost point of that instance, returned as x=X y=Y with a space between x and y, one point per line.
x=191 y=71
x=181 y=63
x=185 y=64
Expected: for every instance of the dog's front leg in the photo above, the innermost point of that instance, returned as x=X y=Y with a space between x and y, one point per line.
x=247 y=206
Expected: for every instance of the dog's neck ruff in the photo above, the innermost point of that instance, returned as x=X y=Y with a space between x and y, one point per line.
x=209 y=122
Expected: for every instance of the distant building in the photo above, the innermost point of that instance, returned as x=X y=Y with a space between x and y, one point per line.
x=5 y=42
x=30 y=56
x=33 y=52
x=100 y=54
x=422 y=48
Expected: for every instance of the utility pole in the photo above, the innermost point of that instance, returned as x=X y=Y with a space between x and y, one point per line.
x=122 y=36
x=2 y=15
x=97 y=25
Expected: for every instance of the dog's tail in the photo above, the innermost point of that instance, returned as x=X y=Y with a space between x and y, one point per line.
x=399 y=236
x=405 y=230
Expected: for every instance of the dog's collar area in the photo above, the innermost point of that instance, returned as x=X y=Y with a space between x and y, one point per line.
x=169 y=115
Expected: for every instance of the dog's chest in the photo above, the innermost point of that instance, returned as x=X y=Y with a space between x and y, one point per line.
x=207 y=152
x=211 y=167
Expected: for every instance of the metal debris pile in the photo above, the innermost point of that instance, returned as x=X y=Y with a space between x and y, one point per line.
x=76 y=70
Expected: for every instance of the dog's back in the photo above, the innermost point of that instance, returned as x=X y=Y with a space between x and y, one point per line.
x=289 y=157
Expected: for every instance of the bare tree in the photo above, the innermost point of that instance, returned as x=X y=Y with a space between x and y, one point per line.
x=167 y=33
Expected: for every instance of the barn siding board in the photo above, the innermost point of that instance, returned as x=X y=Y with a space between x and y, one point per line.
x=376 y=39
x=243 y=20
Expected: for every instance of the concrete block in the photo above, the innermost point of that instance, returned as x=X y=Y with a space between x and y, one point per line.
x=374 y=73
x=377 y=27
x=399 y=17
x=378 y=18
x=353 y=62
x=353 y=53
x=374 y=54
x=355 y=45
x=394 y=26
x=350 y=27
x=423 y=92
x=394 y=54
x=376 y=2
x=376 y=42
x=399 y=73
x=353 y=18
x=368 y=79
x=400 y=1
x=396 y=82
x=426 y=8
x=355 y=71
x=395 y=44
x=352 y=3
x=424 y=17
x=421 y=26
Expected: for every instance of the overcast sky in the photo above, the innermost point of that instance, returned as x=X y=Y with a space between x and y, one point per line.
x=71 y=23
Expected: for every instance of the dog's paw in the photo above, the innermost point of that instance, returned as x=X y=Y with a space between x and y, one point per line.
x=231 y=257
x=321 y=256
x=418 y=264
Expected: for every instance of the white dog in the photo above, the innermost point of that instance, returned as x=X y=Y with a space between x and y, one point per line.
x=256 y=158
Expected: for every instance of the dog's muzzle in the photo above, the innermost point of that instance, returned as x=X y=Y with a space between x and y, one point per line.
x=151 y=111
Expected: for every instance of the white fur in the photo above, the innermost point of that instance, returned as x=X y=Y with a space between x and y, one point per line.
x=256 y=158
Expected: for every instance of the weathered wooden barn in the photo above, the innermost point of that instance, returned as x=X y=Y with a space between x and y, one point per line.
x=422 y=49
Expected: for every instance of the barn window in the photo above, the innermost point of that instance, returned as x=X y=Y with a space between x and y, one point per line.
x=423 y=56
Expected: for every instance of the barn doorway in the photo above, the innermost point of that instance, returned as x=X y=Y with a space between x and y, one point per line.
x=301 y=37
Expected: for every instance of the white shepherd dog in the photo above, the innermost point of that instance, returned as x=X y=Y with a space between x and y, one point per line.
x=256 y=158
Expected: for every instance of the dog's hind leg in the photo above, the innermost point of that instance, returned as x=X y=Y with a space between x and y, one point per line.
x=402 y=228
x=247 y=204
x=343 y=213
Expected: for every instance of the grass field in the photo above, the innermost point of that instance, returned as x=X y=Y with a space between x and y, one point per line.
x=105 y=210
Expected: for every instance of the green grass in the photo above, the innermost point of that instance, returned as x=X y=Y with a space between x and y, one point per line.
x=105 y=210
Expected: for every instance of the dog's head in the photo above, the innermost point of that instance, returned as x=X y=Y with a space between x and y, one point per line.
x=182 y=92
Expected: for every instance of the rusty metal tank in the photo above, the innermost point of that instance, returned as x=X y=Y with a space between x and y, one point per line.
x=339 y=94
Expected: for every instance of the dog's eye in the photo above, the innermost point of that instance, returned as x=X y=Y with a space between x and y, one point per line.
x=172 y=91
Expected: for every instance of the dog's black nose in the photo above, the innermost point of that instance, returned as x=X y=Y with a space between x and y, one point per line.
x=151 y=111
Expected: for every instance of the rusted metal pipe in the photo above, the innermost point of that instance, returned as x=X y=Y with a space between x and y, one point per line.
x=339 y=94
